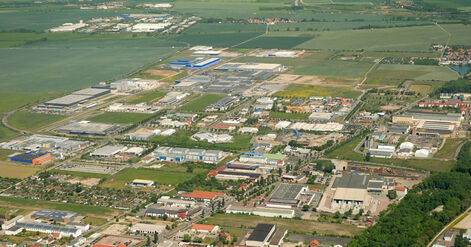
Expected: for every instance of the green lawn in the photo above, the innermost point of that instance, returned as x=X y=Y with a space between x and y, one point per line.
x=305 y=91
x=182 y=139
x=201 y=103
x=120 y=117
x=39 y=204
x=147 y=97
x=30 y=121
x=160 y=176
x=284 y=115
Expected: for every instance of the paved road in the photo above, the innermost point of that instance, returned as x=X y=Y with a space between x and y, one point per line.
x=446 y=227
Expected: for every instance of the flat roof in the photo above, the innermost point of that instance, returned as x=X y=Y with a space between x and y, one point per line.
x=261 y=232
x=70 y=99
x=288 y=192
x=350 y=194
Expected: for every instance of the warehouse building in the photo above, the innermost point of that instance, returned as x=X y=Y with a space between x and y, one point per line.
x=174 y=202
x=108 y=151
x=266 y=235
x=52 y=215
x=142 y=134
x=206 y=196
x=149 y=27
x=142 y=182
x=351 y=189
x=212 y=138
x=223 y=104
x=32 y=158
x=78 y=97
x=68 y=231
x=88 y=128
x=411 y=118
x=229 y=85
x=261 y=211
x=179 y=155
x=268 y=67
x=383 y=151
x=144 y=16
x=320 y=116
x=435 y=128
x=44 y=143
x=286 y=196
x=173 y=97
x=198 y=63
x=399 y=129
x=260 y=158
x=173 y=212
x=192 y=82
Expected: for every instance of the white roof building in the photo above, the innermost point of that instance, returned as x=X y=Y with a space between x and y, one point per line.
x=147 y=228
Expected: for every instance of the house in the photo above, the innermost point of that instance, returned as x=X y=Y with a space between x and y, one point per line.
x=201 y=228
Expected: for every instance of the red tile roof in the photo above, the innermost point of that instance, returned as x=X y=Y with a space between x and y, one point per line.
x=202 y=227
x=197 y=194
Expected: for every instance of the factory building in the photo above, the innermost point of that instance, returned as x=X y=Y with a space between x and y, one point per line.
x=223 y=104
x=32 y=158
x=192 y=82
x=174 y=202
x=206 y=196
x=149 y=27
x=173 y=97
x=411 y=118
x=261 y=211
x=351 y=189
x=142 y=182
x=88 y=128
x=44 y=143
x=268 y=67
x=383 y=151
x=259 y=158
x=69 y=231
x=144 y=16
x=286 y=196
x=142 y=134
x=212 y=138
x=266 y=235
x=52 y=215
x=320 y=116
x=198 y=63
x=108 y=151
x=147 y=228
x=78 y=97
x=178 y=155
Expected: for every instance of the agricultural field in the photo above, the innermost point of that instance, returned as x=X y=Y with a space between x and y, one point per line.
x=448 y=150
x=11 y=101
x=306 y=91
x=459 y=33
x=412 y=72
x=292 y=225
x=182 y=139
x=45 y=66
x=120 y=117
x=216 y=39
x=390 y=39
x=201 y=103
x=272 y=42
x=31 y=204
x=30 y=121
x=146 y=97
x=160 y=176
x=17 y=171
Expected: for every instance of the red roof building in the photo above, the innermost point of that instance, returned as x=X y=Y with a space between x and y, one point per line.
x=204 y=228
x=203 y=195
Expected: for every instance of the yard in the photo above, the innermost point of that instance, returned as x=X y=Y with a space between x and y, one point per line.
x=306 y=91
x=448 y=150
x=159 y=176
x=292 y=225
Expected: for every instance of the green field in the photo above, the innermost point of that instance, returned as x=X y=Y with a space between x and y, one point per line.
x=201 y=103
x=38 y=204
x=284 y=115
x=147 y=97
x=216 y=39
x=182 y=139
x=388 y=39
x=29 y=121
x=46 y=66
x=305 y=91
x=120 y=118
x=292 y=225
x=159 y=176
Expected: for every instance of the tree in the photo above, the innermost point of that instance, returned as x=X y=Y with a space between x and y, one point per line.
x=156 y=237
x=392 y=194
x=148 y=241
x=368 y=156
x=189 y=169
x=306 y=207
